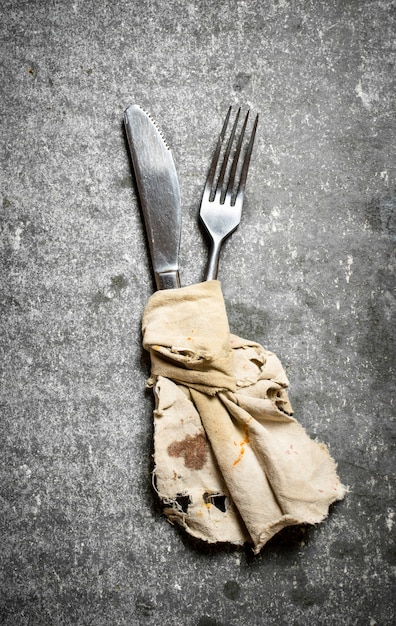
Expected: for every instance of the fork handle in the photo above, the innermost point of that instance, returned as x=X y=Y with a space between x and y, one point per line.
x=212 y=267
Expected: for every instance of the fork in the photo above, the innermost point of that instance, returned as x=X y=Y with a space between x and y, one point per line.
x=222 y=198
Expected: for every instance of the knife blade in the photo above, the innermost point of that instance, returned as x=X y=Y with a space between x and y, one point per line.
x=159 y=194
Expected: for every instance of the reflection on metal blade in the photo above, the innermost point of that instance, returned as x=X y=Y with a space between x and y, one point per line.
x=159 y=194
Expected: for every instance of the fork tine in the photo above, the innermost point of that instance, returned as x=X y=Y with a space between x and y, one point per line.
x=245 y=166
x=220 y=181
x=215 y=159
x=234 y=165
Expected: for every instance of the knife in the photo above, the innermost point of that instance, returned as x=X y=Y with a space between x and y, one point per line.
x=159 y=194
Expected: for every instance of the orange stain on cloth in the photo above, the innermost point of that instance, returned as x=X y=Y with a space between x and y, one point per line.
x=242 y=445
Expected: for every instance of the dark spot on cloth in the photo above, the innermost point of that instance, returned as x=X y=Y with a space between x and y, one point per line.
x=193 y=449
x=217 y=499
x=232 y=590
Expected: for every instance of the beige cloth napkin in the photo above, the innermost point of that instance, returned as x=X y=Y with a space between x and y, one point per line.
x=231 y=463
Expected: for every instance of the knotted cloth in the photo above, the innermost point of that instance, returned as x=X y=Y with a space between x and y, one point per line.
x=231 y=463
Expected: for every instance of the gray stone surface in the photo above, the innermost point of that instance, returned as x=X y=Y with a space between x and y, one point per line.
x=309 y=273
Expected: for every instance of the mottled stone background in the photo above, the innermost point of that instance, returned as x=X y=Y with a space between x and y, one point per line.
x=309 y=273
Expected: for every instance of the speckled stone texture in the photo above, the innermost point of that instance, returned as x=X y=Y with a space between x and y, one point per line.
x=309 y=274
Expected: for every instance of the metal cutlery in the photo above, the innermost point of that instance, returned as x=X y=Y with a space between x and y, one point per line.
x=222 y=199
x=158 y=188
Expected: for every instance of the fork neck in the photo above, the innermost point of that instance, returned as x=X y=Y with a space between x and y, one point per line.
x=212 y=267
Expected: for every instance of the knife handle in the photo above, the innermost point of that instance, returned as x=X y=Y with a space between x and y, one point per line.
x=167 y=280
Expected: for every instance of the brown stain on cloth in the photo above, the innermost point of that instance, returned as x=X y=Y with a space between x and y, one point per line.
x=193 y=449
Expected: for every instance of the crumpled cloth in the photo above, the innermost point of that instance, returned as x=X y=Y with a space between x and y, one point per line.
x=231 y=464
